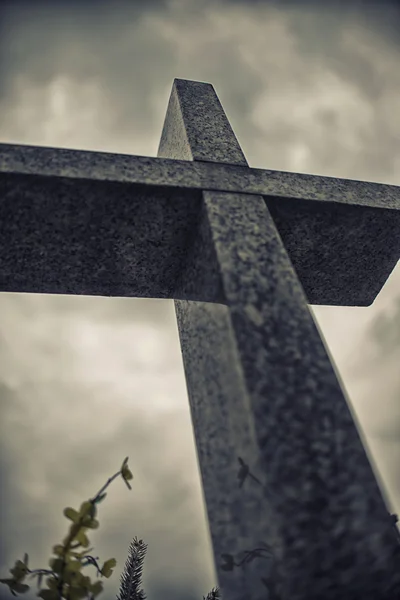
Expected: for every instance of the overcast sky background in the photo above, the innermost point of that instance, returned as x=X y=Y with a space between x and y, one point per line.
x=86 y=381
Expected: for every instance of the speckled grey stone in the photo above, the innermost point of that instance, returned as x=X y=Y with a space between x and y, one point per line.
x=262 y=391
x=342 y=236
x=264 y=396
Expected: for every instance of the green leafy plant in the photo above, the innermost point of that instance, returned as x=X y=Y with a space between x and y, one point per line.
x=66 y=580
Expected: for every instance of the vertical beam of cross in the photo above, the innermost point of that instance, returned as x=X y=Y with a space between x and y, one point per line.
x=264 y=396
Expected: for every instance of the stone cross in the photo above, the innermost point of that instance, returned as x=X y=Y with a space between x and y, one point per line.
x=294 y=509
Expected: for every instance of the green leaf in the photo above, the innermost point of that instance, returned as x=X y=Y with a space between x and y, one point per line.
x=56 y=564
x=48 y=594
x=21 y=588
x=91 y=523
x=76 y=594
x=73 y=546
x=100 y=499
x=74 y=530
x=82 y=583
x=108 y=566
x=58 y=549
x=52 y=582
x=15 y=585
x=87 y=508
x=74 y=566
x=72 y=578
x=82 y=538
x=71 y=514
x=93 y=510
x=19 y=570
x=96 y=588
x=124 y=463
x=128 y=485
x=126 y=474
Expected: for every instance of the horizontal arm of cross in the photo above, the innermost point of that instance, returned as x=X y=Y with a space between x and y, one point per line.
x=342 y=236
x=144 y=170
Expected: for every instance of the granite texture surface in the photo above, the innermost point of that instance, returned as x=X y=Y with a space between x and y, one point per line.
x=342 y=236
x=242 y=251
x=283 y=468
x=19 y=159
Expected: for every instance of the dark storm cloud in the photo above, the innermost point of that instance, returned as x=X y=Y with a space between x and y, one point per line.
x=42 y=40
x=378 y=15
x=78 y=32
x=317 y=25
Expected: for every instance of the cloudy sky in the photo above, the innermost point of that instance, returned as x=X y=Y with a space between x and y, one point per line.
x=86 y=381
